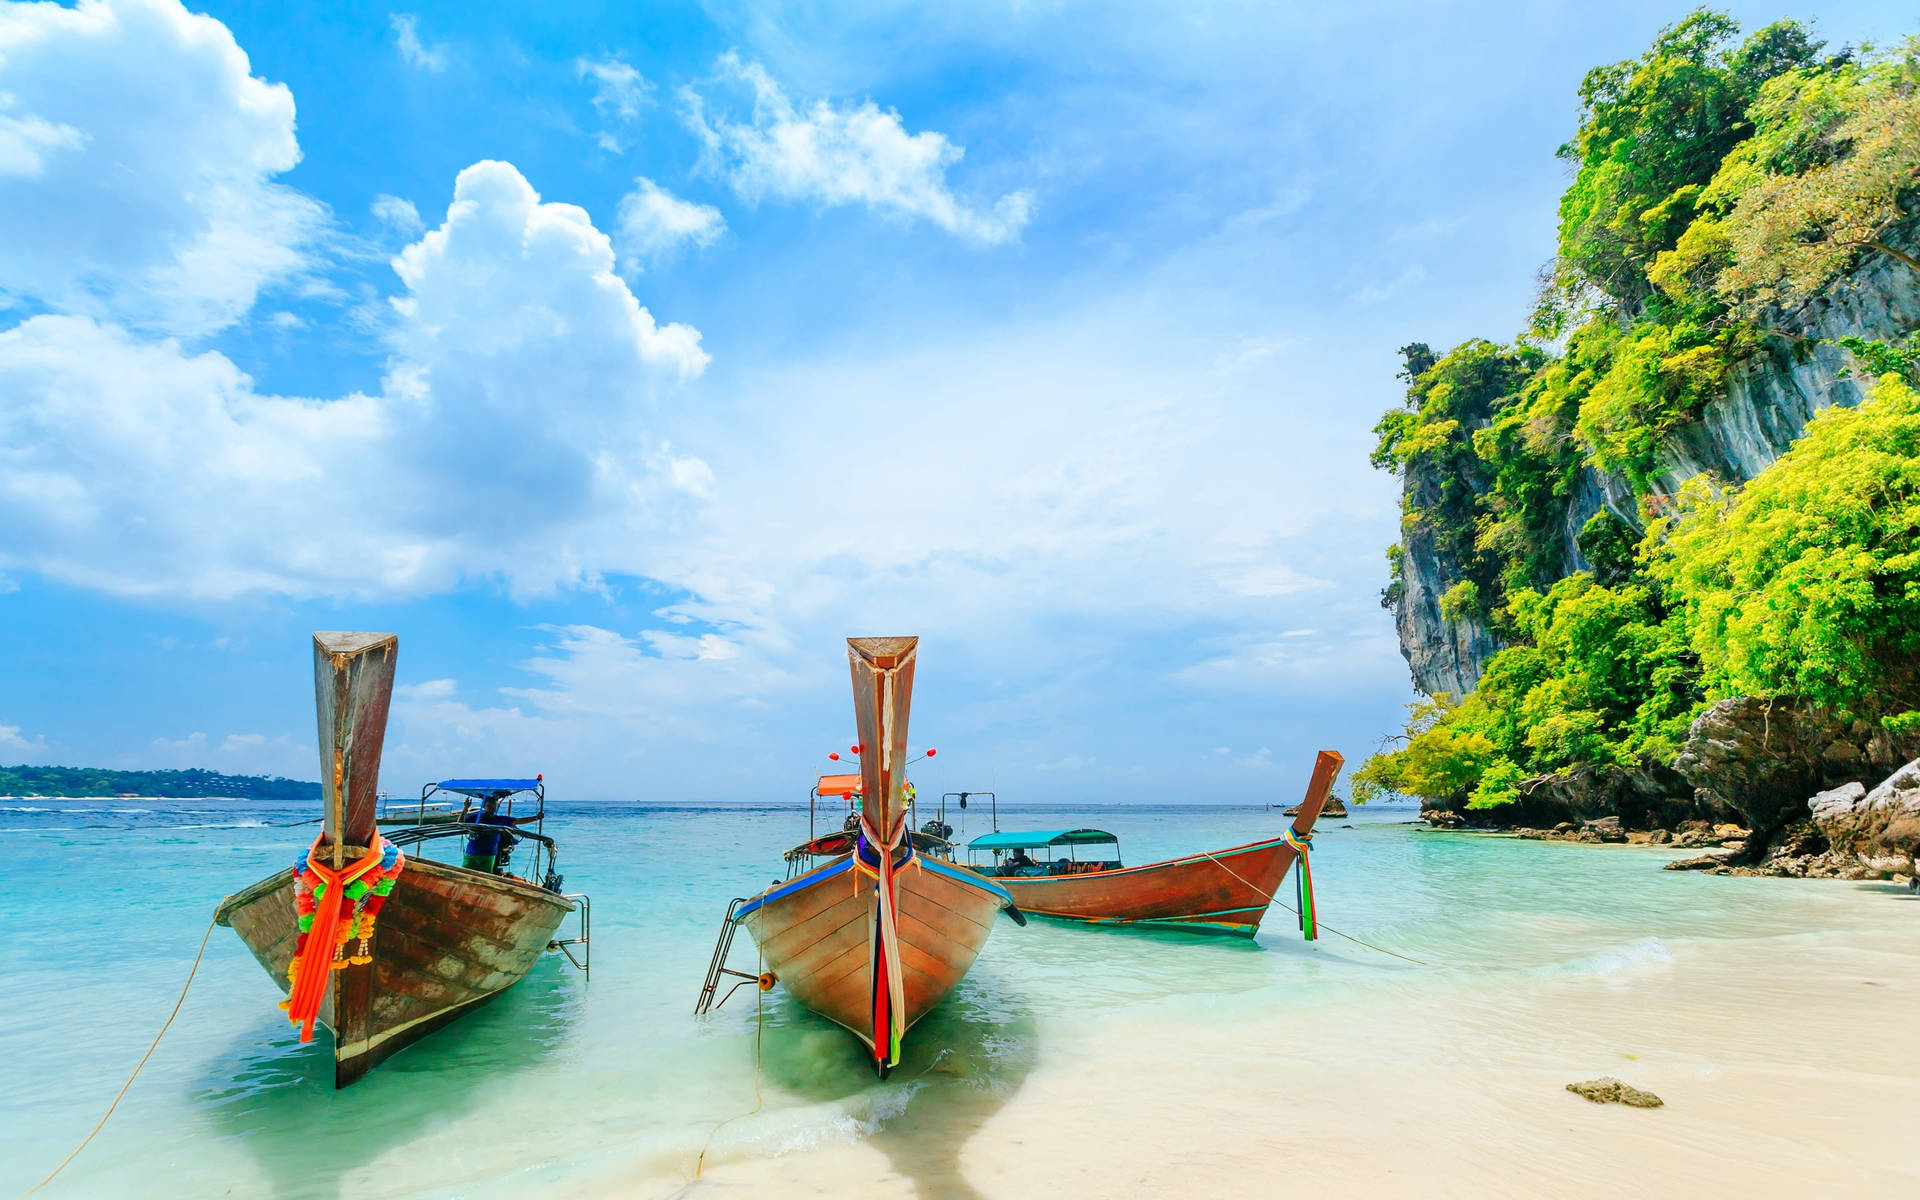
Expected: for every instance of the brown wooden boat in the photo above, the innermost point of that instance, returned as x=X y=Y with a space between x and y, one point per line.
x=448 y=938
x=1219 y=891
x=883 y=931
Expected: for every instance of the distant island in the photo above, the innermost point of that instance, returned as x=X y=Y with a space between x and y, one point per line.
x=95 y=781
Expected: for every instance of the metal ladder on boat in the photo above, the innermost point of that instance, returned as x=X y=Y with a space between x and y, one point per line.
x=583 y=906
x=717 y=967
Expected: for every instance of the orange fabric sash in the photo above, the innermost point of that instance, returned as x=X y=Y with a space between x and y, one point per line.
x=315 y=966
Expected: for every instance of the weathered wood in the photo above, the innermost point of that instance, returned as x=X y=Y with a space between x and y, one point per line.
x=943 y=924
x=882 y=697
x=352 y=691
x=447 y=940
x=1222 y=891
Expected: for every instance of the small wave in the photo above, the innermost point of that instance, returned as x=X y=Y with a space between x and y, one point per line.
x=1647 y=952
x=28 y=808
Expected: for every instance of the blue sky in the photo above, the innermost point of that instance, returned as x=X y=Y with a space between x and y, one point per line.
x=624 y=358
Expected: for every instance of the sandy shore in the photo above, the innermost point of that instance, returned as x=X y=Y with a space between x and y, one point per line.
x=1787 y=1065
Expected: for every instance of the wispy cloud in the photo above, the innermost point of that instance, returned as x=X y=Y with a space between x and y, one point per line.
x=1384 y=289
x=619 y=94
x=398 y=215
x=416 y=52
x=653 y=223
x=839 y=154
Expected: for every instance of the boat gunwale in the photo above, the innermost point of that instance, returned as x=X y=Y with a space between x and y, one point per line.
x=1198 y=857
x=953 y=871
x=520 y=887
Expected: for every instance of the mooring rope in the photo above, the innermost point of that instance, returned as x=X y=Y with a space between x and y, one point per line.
x=204 y=938
x=759 y=1028
x=1273 y=899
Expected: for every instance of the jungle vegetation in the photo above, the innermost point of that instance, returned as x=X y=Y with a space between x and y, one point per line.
x=1718 y=182
x=192 y=784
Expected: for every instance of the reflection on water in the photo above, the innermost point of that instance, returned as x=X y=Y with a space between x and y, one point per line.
x=562 y=1081
x=278 y=1100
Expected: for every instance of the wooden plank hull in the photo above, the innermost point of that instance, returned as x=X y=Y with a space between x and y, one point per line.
x=816 y=934
x=1225 y=891
x=448 y=940
x=1221 y=891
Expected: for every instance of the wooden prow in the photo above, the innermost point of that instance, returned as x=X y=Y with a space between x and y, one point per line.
x=882 y=694
x=1326 y=768
x=352 y=690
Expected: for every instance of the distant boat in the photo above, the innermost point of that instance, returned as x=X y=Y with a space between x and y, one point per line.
x=879 y=934
x=1077 y=874
x=426 y=942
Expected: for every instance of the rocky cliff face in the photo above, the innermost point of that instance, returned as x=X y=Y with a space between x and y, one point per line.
x=1770 y=398
x=1446 y=656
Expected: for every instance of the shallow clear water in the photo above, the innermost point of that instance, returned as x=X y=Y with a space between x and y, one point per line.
x=562 y=1080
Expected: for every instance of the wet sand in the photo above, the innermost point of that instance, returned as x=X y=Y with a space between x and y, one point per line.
x=1787 y=1065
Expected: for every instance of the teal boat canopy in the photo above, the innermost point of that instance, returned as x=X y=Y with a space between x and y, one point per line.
x=1034 y=839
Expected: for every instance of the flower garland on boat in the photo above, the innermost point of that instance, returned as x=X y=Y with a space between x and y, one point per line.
x=333 y=909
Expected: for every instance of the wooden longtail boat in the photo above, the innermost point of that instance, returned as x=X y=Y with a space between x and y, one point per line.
x=447 y=938
x=1220 y=891
x=883 y=931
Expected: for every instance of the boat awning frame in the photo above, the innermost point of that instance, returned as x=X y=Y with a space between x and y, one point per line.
x=480 y=789
x=1034 y=839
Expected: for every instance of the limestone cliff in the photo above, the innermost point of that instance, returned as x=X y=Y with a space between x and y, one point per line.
x=1768 y=400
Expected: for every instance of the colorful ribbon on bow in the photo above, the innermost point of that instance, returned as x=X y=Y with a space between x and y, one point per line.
x=321 y=897
x=889 y=985
x=1303 y=880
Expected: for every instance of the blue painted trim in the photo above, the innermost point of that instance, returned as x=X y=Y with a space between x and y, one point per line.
x=957 y=874
x=961 y=875
x=788 y=889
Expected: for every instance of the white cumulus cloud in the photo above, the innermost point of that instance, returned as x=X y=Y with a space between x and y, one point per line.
x=839 y=154
x=139 y=148
x=520 y=360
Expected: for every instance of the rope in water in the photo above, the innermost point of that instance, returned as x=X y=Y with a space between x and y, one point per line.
x=204 y=938
x=1272 y=899
x=759 y=1027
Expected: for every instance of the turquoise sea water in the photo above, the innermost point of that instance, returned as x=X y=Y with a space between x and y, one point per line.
x=562 y=1078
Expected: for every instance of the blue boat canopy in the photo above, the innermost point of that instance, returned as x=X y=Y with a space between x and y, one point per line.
x=480 y=788
x=1034 y=839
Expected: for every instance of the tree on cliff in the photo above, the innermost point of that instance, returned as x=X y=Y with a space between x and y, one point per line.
x=1716 y=179
x=1806 y=582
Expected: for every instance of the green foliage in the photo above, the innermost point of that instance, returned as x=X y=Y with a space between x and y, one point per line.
x=1715 y=180
x=1822 y=182
x=95 y=781
x=1460 y=601
x=1659 y=377
x=1900 y=358
x=1806 y=582
x=1602 y=676
x=1440 y=758
x=1652 y=134
x=1608 y=543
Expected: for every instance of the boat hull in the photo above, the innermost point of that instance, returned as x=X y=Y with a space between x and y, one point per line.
x=1220 y=892
x=816 y=935
x=447 y=941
